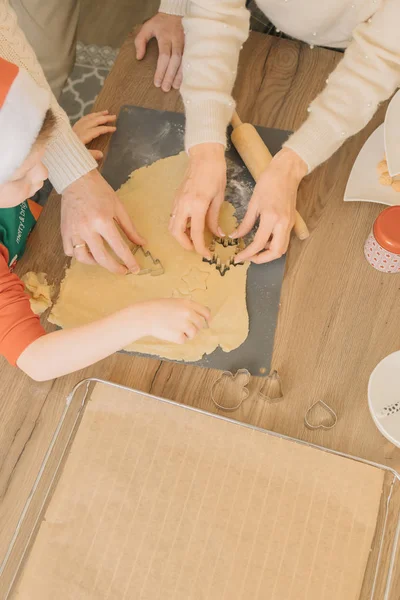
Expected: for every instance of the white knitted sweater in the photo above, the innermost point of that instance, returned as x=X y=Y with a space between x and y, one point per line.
x=368 y=73
x=66 y=157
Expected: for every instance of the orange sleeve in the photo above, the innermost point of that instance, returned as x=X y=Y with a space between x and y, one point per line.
x=19 y=326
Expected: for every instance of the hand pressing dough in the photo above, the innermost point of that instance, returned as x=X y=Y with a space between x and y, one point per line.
x=90 y=292
x=38 y=290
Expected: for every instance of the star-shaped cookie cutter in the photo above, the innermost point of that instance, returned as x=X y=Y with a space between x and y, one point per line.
x=222 y=268
x=158 y=267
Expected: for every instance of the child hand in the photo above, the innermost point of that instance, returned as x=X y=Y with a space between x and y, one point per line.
x=93 y=126
x=174 y=320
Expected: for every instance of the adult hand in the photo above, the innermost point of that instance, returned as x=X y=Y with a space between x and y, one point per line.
x=274 y=203
x=199 y=198
x=168 y=31
x=90 y=210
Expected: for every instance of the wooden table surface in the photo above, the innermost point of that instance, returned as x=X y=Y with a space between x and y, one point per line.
x=338 y=316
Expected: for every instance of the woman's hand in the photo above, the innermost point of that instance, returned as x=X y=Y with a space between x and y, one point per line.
x=168 y=31
x=173 y=320
x=199 y=198
x=90 y=210
x=274 y=202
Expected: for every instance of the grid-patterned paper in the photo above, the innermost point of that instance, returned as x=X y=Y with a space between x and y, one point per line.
x=160 y=502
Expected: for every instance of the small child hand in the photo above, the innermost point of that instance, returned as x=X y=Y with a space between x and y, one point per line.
x=174 y=320
x=93 y=126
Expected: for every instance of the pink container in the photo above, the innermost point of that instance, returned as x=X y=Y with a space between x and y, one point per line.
x=382 y=248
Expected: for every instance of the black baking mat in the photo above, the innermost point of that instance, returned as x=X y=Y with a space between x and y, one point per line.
x=143 y=136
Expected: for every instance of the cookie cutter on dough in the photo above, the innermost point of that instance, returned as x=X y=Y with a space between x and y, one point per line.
x=158 y=267
x=222 y=268
x=227 y=375
x=321 y=425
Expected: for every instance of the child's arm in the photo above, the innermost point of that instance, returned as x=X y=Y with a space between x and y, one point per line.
x=19 y=327
x=63 y=352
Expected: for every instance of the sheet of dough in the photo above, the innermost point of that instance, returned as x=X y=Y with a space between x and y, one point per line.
x=89 y=293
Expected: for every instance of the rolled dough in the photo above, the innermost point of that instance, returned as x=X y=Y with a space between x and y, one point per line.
x=38 y=290
x=88 y=293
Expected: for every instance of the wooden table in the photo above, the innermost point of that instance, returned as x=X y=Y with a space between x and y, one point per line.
x=338 y=317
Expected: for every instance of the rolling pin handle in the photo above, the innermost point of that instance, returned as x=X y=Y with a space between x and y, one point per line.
x=236 y=121
x=300 y=227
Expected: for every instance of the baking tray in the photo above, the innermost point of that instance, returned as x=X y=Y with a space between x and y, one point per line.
x=380 y=576
x=143 y=136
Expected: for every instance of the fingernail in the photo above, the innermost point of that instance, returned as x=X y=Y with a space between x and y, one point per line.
x=166 y=88
x=233 y=235
x=135 y=270
x=221 y=233
x=157 y=83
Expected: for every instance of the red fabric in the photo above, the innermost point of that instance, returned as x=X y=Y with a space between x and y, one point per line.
x=8 y=72
x=19 y=326
x=35 y=209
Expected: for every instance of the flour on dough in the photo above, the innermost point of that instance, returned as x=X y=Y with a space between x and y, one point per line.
x=90 y=292
x=38 y=290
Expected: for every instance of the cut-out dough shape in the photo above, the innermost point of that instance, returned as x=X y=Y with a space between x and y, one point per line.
x=181 y=294
x=196 y=280
x=90 y=292
x=38 y=290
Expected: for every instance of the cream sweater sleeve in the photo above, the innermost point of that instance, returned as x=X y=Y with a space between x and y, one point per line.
x=173 y=7
x=214 y=33
x=66 y=157
x=368 y=74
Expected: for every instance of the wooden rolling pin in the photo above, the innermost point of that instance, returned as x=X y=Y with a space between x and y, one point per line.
x=257 y=157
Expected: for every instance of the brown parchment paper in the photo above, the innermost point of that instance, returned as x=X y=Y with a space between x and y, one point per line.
x=156 y=501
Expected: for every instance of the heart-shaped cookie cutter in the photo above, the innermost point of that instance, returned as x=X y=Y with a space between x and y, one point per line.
x=327 y=409
x=229 y=375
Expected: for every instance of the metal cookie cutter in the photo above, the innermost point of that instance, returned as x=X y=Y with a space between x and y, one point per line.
x=156 y=263
x=227 y=376
x=331 y=413
x=272 y=389
x=222 y=268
